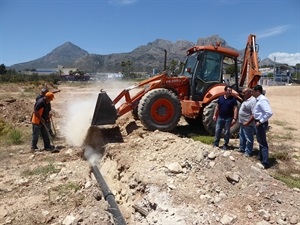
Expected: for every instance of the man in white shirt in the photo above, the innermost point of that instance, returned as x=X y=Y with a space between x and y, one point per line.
x=262 y=113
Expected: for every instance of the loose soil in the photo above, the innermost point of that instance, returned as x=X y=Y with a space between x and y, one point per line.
x=162 y=178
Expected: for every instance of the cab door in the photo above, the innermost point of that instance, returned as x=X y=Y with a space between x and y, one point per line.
x=207 y=73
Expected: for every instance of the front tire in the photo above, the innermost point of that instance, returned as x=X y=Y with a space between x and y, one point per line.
x=159 y=109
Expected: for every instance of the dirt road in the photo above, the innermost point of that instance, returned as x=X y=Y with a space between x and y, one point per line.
x=173 y=179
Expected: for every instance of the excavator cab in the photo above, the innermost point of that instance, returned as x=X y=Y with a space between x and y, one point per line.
x=205 y=69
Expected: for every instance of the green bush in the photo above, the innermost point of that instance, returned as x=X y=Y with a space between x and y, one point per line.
x=15 y=136
x=204 y=139
x=41 y=170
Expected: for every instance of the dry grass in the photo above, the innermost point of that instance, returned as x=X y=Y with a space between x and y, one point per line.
x=282 y=153
x=290 y=175
x=41 y=170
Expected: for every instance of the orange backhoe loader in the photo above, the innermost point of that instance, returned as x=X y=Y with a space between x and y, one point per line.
x=162 y=99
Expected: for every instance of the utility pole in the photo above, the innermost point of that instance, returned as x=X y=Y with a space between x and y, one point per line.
x=274 y=75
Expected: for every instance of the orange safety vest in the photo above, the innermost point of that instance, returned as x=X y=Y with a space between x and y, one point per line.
x=34 y=118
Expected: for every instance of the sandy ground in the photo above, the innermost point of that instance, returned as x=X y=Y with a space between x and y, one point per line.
x=156 y=177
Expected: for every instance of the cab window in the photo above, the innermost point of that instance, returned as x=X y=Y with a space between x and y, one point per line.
x=211 y=68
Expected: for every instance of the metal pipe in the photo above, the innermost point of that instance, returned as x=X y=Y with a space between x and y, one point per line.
x=109 y=197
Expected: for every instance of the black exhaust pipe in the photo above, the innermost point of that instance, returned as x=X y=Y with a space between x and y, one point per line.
x=109 y=197
x=165 y=61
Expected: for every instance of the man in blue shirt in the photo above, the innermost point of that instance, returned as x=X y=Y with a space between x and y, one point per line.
x=225 y=115
x=262 y=113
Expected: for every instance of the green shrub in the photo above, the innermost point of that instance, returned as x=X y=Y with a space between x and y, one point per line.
x=204 y=139
x=41 y=170
x=4 y=128
x=290 y=181
x=15 y=136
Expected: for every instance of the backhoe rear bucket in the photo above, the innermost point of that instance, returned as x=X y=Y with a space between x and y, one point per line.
x=105 y=112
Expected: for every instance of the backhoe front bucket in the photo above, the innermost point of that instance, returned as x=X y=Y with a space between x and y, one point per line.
x=105 y=112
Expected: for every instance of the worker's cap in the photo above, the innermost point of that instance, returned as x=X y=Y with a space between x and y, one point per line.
x=49 y=95
x=44 y=90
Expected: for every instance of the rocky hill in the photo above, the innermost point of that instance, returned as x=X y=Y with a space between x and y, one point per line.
x=144 y=58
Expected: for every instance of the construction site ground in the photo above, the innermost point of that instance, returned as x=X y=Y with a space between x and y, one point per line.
x=159 y=178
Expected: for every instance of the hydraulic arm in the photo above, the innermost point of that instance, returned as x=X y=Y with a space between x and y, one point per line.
x=250 y=70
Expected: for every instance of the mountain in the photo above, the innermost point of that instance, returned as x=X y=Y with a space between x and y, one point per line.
x=266 y=62
x=66 y=55
x=144 y=58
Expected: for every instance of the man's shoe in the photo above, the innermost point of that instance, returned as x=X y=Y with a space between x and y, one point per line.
x=266 y=166
x=50 y=148
x=215 y=147
x=247 y=155
x=225 y=147
x=35 y=149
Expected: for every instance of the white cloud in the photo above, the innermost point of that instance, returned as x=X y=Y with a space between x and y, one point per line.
x=272 y=31
x=289 y=58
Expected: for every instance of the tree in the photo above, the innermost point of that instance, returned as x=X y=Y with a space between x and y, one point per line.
x=296 y=74
x=3 y=69
x=230 y=69
x=173 y=66
x=127 y=68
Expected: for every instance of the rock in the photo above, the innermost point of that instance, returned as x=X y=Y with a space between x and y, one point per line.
x=264 y=214
x=174 y=167
x=171 y=186
x=69 y=220
x=228 y=219
x=296 y=189
x=232 y=177
x=248 y=208
x=250 y=215
x=88 y=184
x=211 y=156
x=263 y=223
x=45 y=212
x=294 y=219
x=10 y=100
x=132 y=184
x=212 y=164
x=199 y=156
x=281 y=222
x=22 y=181
x=3 y=213
x=226 y=153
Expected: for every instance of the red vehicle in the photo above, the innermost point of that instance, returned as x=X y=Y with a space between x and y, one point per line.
x=192 y=94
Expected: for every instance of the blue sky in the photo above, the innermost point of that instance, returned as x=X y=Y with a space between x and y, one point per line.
x=30 y=29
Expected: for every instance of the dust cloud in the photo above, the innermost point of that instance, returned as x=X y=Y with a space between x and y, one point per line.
x=78 y=119
x=77 y=128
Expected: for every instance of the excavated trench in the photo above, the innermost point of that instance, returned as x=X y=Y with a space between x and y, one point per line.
x=94 y=149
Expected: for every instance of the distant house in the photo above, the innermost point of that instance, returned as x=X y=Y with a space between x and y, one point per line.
x=63 y=71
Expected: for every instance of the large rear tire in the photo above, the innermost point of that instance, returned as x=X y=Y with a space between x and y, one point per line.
x=210 y=125
x=159 y=109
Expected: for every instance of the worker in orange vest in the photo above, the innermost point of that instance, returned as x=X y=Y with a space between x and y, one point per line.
x=41 y=115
